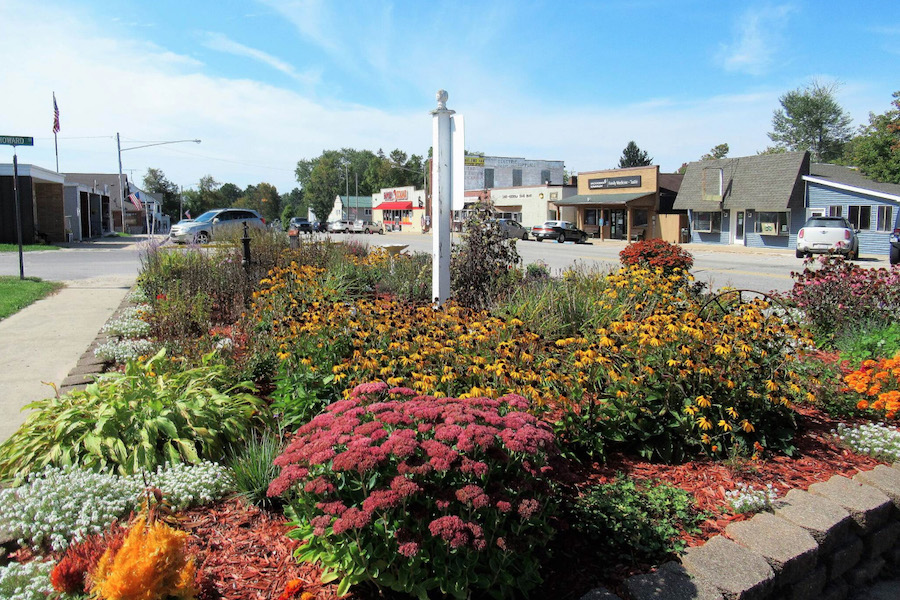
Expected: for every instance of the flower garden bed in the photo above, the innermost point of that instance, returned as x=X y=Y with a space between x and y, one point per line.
x=461 y=438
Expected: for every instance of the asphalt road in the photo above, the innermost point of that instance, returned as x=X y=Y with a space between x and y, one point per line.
x=763 y=270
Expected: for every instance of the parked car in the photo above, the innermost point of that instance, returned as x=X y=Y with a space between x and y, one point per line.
x=340 y=226
x=300 y=225
x=512 y=229
x=561 y=231
x=823 y=235
x=362 y=226
x=215 y=223
x=895 y=247
x=320 y=226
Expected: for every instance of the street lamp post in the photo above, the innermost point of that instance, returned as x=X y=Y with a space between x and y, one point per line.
x=121 y=188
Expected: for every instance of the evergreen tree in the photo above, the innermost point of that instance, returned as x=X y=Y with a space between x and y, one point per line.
x=633 y=156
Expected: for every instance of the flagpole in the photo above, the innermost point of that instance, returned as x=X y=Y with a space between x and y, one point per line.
x=55 y=130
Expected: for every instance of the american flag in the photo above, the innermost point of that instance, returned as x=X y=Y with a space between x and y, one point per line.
x=136 y=200
x=187 y=214
x=55 y=115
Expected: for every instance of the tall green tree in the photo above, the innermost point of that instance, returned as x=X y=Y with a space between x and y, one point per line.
x=230 y=194
x=811 y=119
x=155 y=182
x=717 y=152
x=876 y=148
x=264 y=199
x=633 y=156
x=322 y=183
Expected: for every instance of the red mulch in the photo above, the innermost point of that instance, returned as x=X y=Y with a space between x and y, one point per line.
x=244 y=552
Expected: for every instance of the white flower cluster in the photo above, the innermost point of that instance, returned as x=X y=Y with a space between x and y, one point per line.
x=122 y=350
x=129 y=323
x=138 y=296
x=873 y=439
x=28 y=581
x=747 y=499
x=59 y=506
x=192 y=485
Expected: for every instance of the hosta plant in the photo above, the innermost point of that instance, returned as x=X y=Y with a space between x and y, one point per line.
x=150 y=414
x=420 y=494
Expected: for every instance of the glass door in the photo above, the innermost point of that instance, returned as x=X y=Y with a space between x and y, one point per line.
x=739 y=227
x=617 y=225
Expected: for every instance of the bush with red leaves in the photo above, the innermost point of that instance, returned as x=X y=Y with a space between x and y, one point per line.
x=657 y=254
x=417 y=493
x=70 y=575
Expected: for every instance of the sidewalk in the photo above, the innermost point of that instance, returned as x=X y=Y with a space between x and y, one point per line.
x=42 y=343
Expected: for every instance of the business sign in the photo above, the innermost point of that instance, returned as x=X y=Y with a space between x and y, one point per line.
x=396 y=195
x=474 y=161
x=612 y=183
x=16 y=140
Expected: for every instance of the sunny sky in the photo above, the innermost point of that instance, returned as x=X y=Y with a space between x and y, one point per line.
x=266 y=83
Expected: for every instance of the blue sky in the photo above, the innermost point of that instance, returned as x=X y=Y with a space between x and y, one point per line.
x=269 y=82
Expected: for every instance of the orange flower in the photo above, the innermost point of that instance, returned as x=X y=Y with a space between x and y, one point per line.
x=862 y=405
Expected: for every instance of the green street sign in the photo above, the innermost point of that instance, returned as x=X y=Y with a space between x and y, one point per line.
x=16 y=140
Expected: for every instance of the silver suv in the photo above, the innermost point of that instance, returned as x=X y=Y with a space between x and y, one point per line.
x=215 y=223
x=361 y=226
x=824 y=235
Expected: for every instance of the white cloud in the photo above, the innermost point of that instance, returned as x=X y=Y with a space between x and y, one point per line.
x=757 y=35
x=222 y=43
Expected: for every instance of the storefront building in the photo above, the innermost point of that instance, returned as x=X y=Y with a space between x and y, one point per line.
x=401 y=209
x=755 y=201
x=489 y=172
x=617 y=204
x=531 y=206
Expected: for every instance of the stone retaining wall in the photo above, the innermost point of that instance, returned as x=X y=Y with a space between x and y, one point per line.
x=822 y=544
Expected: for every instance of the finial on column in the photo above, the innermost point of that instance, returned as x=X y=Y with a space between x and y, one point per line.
x=442 y=99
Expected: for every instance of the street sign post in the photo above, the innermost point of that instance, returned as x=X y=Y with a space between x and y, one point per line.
x=17 y=140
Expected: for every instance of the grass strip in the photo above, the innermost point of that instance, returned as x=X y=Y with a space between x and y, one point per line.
x=27 y=247
x=16 y=294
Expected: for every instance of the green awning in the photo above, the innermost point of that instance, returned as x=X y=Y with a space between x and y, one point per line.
x=600 y=199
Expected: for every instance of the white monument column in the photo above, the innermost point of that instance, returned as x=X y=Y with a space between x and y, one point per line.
x=441 y=190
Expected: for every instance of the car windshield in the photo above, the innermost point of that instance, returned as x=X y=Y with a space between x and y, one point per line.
x=207 y=216
x=827 y=222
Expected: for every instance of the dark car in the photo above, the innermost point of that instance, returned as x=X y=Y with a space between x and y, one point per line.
x=895 y=247
x=561 y=231
x=300 y=225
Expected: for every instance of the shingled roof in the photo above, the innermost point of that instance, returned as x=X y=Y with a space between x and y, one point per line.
x=765 y=182
x=850 y=176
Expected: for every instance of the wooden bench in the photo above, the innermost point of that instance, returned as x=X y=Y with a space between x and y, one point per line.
x=637 y=233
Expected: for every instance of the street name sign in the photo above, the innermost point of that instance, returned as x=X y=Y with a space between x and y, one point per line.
x=16 y=140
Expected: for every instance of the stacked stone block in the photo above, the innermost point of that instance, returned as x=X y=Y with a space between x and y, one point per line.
x=823 y=544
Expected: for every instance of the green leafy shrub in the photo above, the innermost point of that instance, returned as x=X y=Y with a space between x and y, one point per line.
x=300 y=394
x=840 y=297
x=151 y=413
x=870 y=341
x=480 y=266
x=657 y=254
x=635 y=522
x=419 y=494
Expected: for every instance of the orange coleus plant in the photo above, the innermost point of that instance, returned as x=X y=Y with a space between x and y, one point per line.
x=150 y=565
x=878 y=382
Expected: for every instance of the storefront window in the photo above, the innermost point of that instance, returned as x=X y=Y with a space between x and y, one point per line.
x=590 y=216
x=707 y=222
x=772 y=223
x=639 y=218
x=861 y=217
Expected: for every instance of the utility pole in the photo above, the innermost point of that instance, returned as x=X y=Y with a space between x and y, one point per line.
x=121 y=190
x=347 y=182
x=356 y=177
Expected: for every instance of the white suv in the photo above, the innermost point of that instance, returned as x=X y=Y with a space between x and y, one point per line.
x=824 y=235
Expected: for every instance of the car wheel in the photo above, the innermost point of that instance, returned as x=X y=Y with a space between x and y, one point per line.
x=895 y=254
x=853 y=255
x=524 y=236
x=562 y=238
x=801 y=253
x=539 y=239
x=367 y=231
x=583 y=239
x=202 y=238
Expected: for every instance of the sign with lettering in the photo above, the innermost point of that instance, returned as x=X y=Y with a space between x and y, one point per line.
x=474 y=161
x=16 y=140
x=609 y=183
x=396 y=195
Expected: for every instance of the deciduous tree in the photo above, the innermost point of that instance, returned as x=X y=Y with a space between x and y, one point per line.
x=811 y=119
x=876 y=148
x=155 y=182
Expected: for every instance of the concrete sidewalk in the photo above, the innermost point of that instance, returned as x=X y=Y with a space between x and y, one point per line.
x=42 y=343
